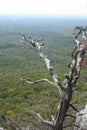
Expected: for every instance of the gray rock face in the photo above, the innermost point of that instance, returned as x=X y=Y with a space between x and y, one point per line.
x=1 y=128
x=81 y=120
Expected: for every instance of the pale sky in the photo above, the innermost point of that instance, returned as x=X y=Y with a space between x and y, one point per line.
x=43 y=7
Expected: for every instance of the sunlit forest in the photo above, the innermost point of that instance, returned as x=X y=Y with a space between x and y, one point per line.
x=17 y=61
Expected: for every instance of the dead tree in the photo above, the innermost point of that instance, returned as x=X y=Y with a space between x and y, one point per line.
x=67 y=87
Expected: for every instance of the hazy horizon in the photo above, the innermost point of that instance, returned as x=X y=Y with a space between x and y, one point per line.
x=67 y=16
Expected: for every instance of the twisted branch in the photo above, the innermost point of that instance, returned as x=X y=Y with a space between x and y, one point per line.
x=37 y=46
x=37 y=81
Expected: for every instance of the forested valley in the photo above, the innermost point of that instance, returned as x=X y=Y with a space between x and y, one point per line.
x=17 y=60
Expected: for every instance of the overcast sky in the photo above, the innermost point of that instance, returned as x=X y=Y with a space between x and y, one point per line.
x=43 y=7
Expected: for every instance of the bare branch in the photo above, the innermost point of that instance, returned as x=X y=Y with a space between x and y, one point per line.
x=78 y=31
x=37 y=81
x=68 y=115
x=73 y=107
x=52 y=117
x=48 y=123
x=37 y=46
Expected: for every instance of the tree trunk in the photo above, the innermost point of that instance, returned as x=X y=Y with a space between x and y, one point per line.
x=61 y=114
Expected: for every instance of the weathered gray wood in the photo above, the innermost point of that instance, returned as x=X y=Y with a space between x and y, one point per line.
x=66 y=88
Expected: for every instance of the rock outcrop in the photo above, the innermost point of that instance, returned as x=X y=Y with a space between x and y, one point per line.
x=81 y=120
